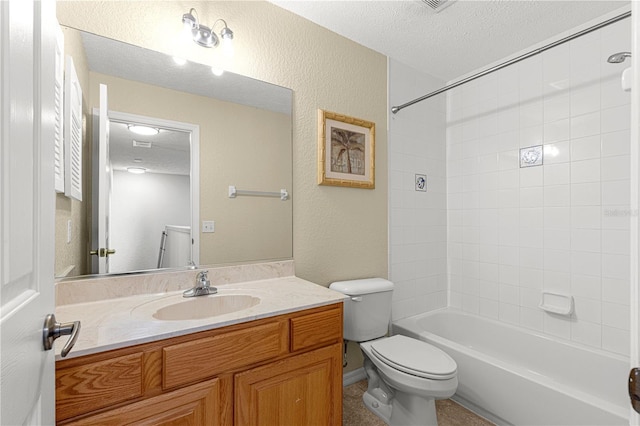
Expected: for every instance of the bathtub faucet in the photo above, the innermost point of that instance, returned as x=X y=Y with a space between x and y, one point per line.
x=202 y=288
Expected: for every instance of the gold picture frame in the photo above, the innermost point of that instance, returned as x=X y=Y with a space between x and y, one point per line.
x=346 y=151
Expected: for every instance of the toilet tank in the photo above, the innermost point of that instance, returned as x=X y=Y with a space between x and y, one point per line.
x=367 y=311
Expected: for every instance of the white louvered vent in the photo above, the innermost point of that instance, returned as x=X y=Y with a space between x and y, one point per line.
x=58 y=141
x=438 y=5
x=73 y=132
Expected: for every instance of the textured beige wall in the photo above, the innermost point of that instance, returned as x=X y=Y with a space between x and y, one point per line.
x=247 y=228
x=71 y=258
x=339 y=233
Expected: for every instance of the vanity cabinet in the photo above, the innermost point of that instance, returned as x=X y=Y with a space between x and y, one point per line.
x=285 y=369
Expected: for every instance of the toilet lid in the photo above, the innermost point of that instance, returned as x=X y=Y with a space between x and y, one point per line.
x=415 y=357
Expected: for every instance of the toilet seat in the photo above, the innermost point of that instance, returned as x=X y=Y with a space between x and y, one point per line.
x=414 y=357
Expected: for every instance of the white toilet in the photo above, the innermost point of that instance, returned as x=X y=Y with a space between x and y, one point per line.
x=405 y=375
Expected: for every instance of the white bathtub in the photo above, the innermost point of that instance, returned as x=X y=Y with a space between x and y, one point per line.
x=516 y=376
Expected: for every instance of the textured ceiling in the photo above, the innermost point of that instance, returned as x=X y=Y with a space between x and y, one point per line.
x=465 y=36
x=170 y=150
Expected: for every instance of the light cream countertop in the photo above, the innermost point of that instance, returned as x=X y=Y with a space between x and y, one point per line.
x=127 y=321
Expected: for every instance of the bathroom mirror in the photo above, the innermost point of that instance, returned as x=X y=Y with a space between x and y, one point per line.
x=244 y=131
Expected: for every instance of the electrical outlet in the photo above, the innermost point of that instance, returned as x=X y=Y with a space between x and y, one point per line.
x=208 y=226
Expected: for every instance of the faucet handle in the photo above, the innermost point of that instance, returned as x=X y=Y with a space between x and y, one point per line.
x=203 y=280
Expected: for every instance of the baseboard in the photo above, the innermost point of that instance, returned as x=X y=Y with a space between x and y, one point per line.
x=479 y=411
x=353 y=377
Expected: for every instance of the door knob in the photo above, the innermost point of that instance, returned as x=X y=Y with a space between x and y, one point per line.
x=53 y=329
x=102 y=252
x=634 y=388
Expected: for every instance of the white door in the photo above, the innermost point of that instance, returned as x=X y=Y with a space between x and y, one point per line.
x=634 y=417
x=102 y=193
x=27 y=79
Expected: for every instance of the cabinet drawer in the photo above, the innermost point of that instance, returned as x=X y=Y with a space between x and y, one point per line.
x=97 y=385
x=203 y=358
x=314 y=329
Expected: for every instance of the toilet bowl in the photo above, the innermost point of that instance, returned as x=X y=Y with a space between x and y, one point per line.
x=415 y=374
x=405 y=375
x=412 y=365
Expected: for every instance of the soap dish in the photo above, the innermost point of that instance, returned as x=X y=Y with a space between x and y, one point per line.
x=556 y=303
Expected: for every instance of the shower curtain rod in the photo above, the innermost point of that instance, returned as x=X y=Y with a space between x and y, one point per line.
x=517 y=59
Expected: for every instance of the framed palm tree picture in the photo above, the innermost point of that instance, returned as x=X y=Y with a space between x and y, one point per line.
x=346 y=151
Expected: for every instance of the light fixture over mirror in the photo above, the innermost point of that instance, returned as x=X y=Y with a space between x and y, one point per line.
x=205 y=36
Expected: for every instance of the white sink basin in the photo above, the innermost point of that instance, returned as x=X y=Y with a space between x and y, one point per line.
x=177 y=308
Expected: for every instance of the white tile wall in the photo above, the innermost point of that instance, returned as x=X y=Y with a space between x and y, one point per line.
x=563 y=226
x=418 y=220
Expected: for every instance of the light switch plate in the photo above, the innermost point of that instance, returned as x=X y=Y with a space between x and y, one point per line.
x=208 y=226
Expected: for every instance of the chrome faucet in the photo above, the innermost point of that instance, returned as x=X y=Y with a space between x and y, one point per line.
x=202 y=288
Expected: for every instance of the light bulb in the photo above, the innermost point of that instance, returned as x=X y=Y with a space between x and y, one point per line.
x=226 y=36
x=217 y=71
x=189 y=22
x=227 y=46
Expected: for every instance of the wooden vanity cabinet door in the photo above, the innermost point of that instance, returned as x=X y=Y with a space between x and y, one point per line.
x=304 y=389
x=195 y=405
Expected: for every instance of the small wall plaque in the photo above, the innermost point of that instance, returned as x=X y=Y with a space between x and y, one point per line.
x=531 y=156
x=421 y=183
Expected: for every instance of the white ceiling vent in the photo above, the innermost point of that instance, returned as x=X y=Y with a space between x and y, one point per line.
x=140 y=144
x=438 y=5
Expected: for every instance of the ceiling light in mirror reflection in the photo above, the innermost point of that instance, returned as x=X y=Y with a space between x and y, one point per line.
x=179 y=61
x=137 y=170
x=143 y=130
